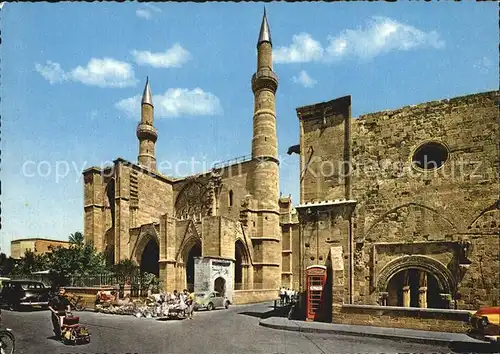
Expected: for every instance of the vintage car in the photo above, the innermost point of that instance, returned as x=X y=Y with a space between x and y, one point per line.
x=209 y=300
x=19 y=293
x=485 y=324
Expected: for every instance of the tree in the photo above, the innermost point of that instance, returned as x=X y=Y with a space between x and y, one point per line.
x=30 y=263
x=77 y=238
x=126 y=269
x=80 y=259
x=7 y=264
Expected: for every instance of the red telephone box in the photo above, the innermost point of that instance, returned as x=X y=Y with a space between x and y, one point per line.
x=316 y=277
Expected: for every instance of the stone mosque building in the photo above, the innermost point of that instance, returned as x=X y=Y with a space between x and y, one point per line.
x=401 y=206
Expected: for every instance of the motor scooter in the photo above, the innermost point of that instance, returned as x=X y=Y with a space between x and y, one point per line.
x=72 y=332
x=7 y=339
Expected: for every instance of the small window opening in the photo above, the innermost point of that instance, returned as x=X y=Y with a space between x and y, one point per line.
x=231 y=198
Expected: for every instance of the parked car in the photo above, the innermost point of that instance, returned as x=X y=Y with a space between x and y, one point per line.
x=210 y=300
x=18 y=293
x=485 y=324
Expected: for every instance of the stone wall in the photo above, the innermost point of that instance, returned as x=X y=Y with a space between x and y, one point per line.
x=324 y=142
x=398 y=202
x=396 y=317
x=122 y=198
x=154 y=197
x=38 y=246
x=236 y=178
x=321 y=227
x=94 y=206
x=254 y=296
x=44 y=246
x=446 y=217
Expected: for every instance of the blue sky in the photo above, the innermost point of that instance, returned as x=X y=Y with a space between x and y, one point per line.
x=71 y=73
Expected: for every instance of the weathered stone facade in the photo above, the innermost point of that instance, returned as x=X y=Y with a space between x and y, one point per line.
x=411 y=195
x=230 y=213
x=407 y=199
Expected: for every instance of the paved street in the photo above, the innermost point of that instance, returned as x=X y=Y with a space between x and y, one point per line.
x=235 y=330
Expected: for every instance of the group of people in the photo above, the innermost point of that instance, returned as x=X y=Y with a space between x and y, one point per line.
x=184 y=301
x=287 y=295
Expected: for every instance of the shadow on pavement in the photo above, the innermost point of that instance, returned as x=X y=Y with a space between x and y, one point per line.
x=262 y=315
x=464 y=347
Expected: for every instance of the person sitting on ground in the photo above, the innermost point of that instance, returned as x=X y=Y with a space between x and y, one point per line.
x=97 y=298
x=58 y=306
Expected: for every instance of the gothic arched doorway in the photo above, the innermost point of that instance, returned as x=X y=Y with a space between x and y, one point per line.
x=109 y=247
x=220 y=286
x=194 y=252
x=240 y=262
x=150 y=257
x=414 y=288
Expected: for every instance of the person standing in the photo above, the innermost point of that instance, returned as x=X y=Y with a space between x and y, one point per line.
x=58 y=306
x=282 y=295
x=190 y=303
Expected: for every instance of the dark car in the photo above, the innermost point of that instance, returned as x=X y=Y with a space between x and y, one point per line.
x=19 y=293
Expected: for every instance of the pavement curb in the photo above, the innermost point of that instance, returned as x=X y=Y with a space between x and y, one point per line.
x=295 y=328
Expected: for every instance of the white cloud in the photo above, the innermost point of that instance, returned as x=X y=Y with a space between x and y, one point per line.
x=380 y=35
x=304 y=79
x=303 y=49
x=52 y=72
x=175 y=102
x=146 y=11
x=483 y=65
x=174 y=57
x=104 y=72
x=143 y=13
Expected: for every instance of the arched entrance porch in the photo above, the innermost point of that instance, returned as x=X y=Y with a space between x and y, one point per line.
x=148 y=254
x=414 y=288
x=416 y=281
x=150 y=258
x=194 y=251
x=240 y=266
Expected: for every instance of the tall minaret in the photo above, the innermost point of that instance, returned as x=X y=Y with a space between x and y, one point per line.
x=146 y=132
x=266 y=164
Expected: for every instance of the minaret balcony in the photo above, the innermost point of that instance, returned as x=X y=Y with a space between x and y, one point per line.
x=146 y=131
x=264 y=78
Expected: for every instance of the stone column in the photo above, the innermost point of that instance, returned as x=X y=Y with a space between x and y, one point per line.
x=406 y=296
x=422 y=290
x=383 y=295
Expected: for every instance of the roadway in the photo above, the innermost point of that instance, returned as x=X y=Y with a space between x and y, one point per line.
x=235 y=330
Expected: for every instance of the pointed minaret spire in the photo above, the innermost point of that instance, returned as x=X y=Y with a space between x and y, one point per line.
x=146 y=96
x=146 y=132
x=265 y=32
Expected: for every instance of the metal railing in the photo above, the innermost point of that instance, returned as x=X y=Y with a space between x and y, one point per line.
x=233 y=161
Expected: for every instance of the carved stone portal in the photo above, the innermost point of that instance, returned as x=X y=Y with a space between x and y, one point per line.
x=194 y=201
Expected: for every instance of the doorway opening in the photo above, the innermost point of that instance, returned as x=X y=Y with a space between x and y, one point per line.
x=220 y=286
x=150 y=258
x=194 y=252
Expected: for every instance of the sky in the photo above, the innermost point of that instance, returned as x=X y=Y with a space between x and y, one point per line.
x=72 y=75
